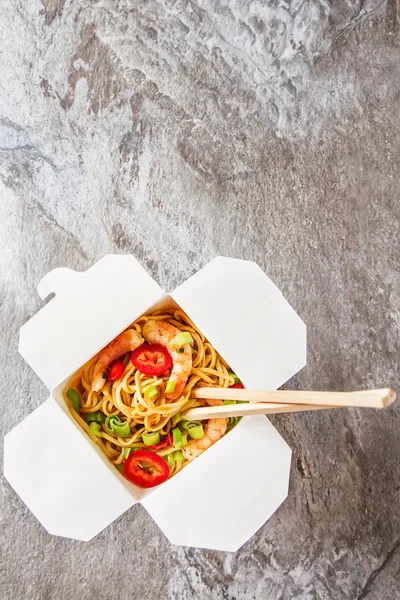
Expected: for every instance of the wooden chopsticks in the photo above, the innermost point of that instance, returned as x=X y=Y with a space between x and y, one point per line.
x=280 y=401
x=241 y=410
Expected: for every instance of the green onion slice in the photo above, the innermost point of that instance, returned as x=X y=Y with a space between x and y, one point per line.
x=113 y=424
x=109 y=427
x=178 y=456
x=194 y=429
x=150 y=391
x=235 y=377
x=122 y=429
x=95 y=417
x=178 y=439
x=170 y=459
x=75 y=398
x=183 y=338
x=95 y=429
x=176 y=418
x=151 y=437
x=170 y=387
x=232 y=421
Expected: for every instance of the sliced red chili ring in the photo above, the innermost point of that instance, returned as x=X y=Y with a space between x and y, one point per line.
x=151 y=359
x=146 y=469
x=116 y=370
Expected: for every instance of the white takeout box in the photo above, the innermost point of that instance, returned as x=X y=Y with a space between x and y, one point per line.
x=219 y=500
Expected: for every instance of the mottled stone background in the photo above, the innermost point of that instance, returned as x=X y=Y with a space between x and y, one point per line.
x=266 y=130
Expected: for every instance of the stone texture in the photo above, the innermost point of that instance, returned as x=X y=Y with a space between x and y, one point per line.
x=178 y=130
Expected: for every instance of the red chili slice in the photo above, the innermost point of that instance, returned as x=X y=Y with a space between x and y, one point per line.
x=237 y=385
x=160 y=445
x=151 y=359
x=146 y=469
x=116 y=370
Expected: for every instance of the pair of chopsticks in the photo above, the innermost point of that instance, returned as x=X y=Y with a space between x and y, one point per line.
x=281 y=401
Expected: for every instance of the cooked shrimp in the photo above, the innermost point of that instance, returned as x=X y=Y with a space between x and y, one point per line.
x=160 y=332
x=209 y=402
x=213 y=431
x=125 y=342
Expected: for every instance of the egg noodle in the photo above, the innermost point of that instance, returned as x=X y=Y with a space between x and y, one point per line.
x=124 y=398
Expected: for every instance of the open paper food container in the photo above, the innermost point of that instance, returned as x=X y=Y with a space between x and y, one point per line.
x=220 y=499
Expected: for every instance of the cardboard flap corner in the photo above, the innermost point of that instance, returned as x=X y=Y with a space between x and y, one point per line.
x=257 y=332
x=89 y=309
x=211 y=299
x=60 y=475
x=225 y=495
x=275 y=339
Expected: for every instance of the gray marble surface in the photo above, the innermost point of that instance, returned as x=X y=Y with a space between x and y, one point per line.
x=178 y=130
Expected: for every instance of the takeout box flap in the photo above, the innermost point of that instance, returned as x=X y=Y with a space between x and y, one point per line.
x=224 y=496
x=89 y=309
x=62 y=477
x=247 y=320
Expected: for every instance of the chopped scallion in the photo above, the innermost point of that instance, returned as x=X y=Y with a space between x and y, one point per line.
x=95 y=417
x=113 y=424
x=183 y=338
x=108 y=425
x=176 y=418
x=170 y=387
x=150 y=391
x=178 y=456
x=235 y=377
x=150 y=438
x=122 y=429
x=170 y=459
x=178 y=439
x=194 y=429
x=75 y=398
x=232 y=421
x=126 y=452
x=95 y=429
